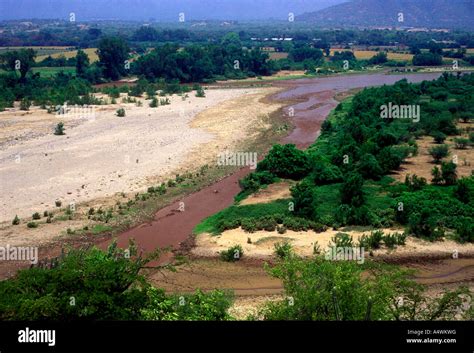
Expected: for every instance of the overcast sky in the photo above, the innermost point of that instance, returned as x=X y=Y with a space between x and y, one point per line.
x=161 y=10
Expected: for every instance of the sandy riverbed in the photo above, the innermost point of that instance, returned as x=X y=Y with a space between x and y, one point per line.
x=99 y=157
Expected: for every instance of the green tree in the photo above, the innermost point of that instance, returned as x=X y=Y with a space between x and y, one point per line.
x=351 y=191
x=82 y=63
x=21 y=60
x=304 y=198
x=439 y=152
x=286 y=162
x=379 y=58
x=448 y=172
x=462 y=191
x=439 y=137
x=113 y=53
x=424 y=224
x=437 y=177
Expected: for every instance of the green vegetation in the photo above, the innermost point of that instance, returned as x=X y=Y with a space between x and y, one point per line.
x=120 y=112
x=343 y=176
x=283 y=250
x=97 y=285
x=321 y=290
x=439 y=152
x=32 y=225
x=232 y=254
x=376 y=238
x=16 y=220
x=200 y=63
x=59 y=129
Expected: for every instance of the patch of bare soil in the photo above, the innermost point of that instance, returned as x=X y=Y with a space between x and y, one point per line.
x=245 y=278
x=422 y=164
x=271 y=193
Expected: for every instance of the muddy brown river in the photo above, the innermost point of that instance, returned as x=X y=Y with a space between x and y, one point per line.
x=313 y=100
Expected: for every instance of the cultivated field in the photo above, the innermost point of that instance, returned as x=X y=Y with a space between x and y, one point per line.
x=91 y=53
x=367 y=54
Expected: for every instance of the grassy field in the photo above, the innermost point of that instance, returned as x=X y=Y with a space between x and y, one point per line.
x=51 y=71
x=210 y=225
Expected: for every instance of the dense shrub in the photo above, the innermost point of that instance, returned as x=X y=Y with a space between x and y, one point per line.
x=342 y=240
x=427 y=59
x=304 y=198
x=369 y=167
x=59 y=129
x=438 y=203
x=286 y=162
x=283 y=250
x=325 y=173
x=390 y=159
x=154 y=103
x=108 y=286
x=465 y=231
x=392 y=240
x=414 y=182
x=439 y=137
x=351 y=190
x=16 y=221
x=232 y=254
x=448 y=173
x=120 y=112
x=254 y=181
x=439 y=152
x=300 y=224
x=372 y=241
x=424 y=224
x=344 y=290
x=32 y=225
x=463 y=191
x=461 y=143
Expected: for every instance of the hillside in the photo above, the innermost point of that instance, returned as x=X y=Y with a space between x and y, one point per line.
x=420 y=13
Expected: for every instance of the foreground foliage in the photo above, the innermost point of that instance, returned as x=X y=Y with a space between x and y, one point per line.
x=317 y=289
x=96 y=285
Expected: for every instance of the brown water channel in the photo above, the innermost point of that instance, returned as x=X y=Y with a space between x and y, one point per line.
x=314 y=99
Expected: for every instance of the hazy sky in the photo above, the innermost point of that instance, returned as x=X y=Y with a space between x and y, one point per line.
x=163 y=10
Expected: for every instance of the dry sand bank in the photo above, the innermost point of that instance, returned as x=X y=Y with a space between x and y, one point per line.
x=262 y=243
x=100 y=157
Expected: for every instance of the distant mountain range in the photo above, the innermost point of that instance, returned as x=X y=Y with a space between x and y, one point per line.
x=161 y=10
x=416 y=13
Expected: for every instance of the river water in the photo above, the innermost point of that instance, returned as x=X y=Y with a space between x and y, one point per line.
x=313 y=100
